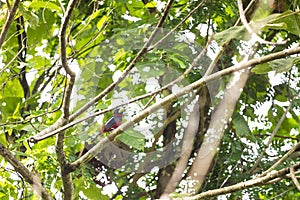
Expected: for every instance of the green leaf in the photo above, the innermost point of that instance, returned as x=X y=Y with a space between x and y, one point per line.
x=151 y=5
x=236 y=32
x=279 y=65
x=291 y=20
x=43 y=4
x=31 y=17
x=120 y=54
x=101 y=22
x=240 y=125
x=94 y=193
x=281 y=98
x=177 y=60
x=10 y=106
x=150 y=69
x=3 y=139
x=133 y=139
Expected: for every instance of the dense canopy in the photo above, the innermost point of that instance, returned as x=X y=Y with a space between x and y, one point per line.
x=203 y=95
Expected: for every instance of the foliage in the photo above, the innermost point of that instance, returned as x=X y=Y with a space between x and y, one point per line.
x=104 y=38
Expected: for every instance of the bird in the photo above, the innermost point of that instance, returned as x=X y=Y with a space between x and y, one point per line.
x=114 y=122
x=111 y=124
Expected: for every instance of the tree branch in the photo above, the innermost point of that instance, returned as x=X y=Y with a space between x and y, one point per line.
x=283 y=158
x=267 y=178
x=28 y=175
x=294 y=178
x=66 y=176
x=48 y=131
x=172 y=97
x=187 y=147
x=250 y=30
x=271 y=137
x=8 y=22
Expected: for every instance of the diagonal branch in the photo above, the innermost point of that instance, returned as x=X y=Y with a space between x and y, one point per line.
x=283 y=158
x=294 y=178
x=266 y=179
x=172 y=97
x=28 y=175
x=8 y=22
x=187 y=148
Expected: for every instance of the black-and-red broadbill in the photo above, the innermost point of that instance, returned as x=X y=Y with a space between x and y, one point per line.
x=114 y=122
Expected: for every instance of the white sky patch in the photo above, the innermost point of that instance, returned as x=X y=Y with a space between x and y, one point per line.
x=117 y=75
x=119 y=98
x=40 y=50
x=131 y=18
x=75 y=94
x=30 y=76
x=45 y=95
x=1 y=61
x=55 y=32
x=112 y=67
x=175 y=88
x=135 y=76
x=110 y=189
x=160 y=5
x=186 y=36
x=263 y=109
x=203 y=29
x=276 y=78
x=151 y=84
x=212 y=50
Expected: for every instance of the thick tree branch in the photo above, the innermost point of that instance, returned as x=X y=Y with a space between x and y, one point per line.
x=172 y=97
x=219 y=120
x=28 y=175
x=266 y=179
x=187 y=147
x=8 y=22
x=66 y=177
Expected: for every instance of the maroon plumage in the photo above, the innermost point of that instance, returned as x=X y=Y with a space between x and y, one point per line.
x=114 y=122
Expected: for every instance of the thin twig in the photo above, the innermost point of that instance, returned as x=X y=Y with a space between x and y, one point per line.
x=177 y=26
x=271 y=137
x=283 y=158
x=8 y=22
x=250 y=30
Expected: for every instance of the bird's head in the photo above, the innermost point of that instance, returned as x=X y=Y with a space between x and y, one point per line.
x=119 y=111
